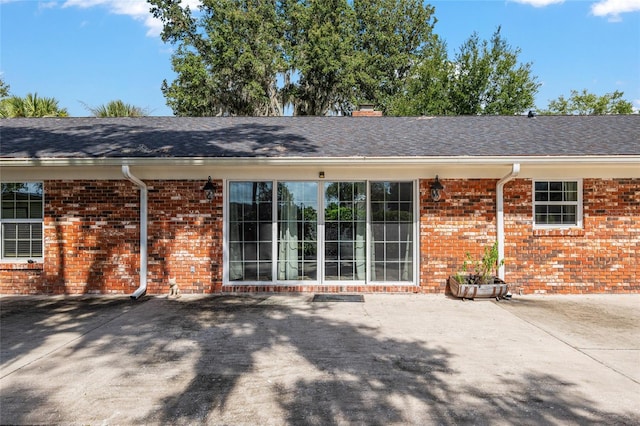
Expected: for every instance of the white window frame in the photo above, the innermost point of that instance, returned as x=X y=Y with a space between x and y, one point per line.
x=578 y=203
x=3 y=221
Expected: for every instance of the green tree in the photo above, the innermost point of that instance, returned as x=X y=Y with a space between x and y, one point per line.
x=234 y=51
x=487 y=78
x=252 y=57
x=427 y=90
x=4 y=89
x=484 y=77
x=585 y=103
x=117 y=108
x=391 y=36
x=31 y=106
x=320 y=42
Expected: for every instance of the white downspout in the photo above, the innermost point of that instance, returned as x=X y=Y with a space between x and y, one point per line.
x=140 y=291
x=500 y=213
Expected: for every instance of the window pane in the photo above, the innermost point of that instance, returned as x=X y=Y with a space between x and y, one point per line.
x=10 y=231
x=393 y=251
x=569 y=215
x=36 y=248
x=555 y=186
x=555 y=196
x=571 y=191
x=36 y=231
x=542 y=186
x=21 y=210
x=10 y=248
x=8 y=211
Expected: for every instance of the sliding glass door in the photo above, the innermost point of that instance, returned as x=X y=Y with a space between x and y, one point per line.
x=321 y=232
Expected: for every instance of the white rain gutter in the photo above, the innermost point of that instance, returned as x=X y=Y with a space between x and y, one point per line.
x=515 y=170
x=142 y=289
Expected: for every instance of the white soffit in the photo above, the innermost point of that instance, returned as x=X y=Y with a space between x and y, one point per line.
x=309 y=168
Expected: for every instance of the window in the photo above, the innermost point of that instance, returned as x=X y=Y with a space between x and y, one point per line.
x=321 y=232
x=557 y=203
x=21 y=219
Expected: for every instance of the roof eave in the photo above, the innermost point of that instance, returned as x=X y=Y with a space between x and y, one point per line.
x=336 y=161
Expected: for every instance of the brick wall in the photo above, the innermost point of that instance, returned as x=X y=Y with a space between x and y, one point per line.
x=92 y=240
x=601 y=257
x=464 y=220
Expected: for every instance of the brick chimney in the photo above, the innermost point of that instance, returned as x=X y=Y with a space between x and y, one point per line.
x=366 y=110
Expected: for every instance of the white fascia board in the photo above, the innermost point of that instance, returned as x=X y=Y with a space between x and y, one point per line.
x=364 y=161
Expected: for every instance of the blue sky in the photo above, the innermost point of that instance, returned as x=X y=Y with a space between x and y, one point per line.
x=94 y=51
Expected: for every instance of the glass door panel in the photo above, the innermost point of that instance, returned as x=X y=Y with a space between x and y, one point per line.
x=250 y=219
x=345 y=218
x=297 y=231
x=392 y=231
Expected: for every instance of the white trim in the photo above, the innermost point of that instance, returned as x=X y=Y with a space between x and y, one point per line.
x=351 y=161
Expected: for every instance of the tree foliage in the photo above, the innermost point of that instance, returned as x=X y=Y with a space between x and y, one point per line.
x=227 y=59
x=484 y=77
x=391 y=37
x=31 y=105
x=117 y=108
x=426 y=92
x=4 y=89
x=585 y=103
x=319 y=48
x=254 y=57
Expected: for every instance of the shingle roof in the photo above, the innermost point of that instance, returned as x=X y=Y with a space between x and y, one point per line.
x=319 y=137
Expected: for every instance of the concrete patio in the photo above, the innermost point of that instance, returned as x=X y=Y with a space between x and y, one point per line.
x=284 y=359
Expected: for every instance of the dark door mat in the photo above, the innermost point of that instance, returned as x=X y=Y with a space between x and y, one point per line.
x=338 y=298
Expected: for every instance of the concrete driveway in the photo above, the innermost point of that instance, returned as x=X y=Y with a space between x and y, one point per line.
x=284 y=359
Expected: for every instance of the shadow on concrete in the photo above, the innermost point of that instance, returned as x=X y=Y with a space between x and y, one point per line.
x=334 y=371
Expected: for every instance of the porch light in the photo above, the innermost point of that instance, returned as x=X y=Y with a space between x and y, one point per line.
x=208 y=189
x=436 y=189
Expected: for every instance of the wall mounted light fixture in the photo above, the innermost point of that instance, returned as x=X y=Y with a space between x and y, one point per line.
x=436 y=189
x=321 y=175
x=208 y=189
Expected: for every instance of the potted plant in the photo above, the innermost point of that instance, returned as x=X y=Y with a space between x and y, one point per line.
x=477 y=278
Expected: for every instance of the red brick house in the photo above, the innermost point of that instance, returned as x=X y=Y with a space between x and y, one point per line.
x=318 y=204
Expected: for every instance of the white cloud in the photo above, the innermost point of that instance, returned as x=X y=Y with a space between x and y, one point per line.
x=539 y=3
x=136 y=9
x=613 y=8
x=47 y=5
